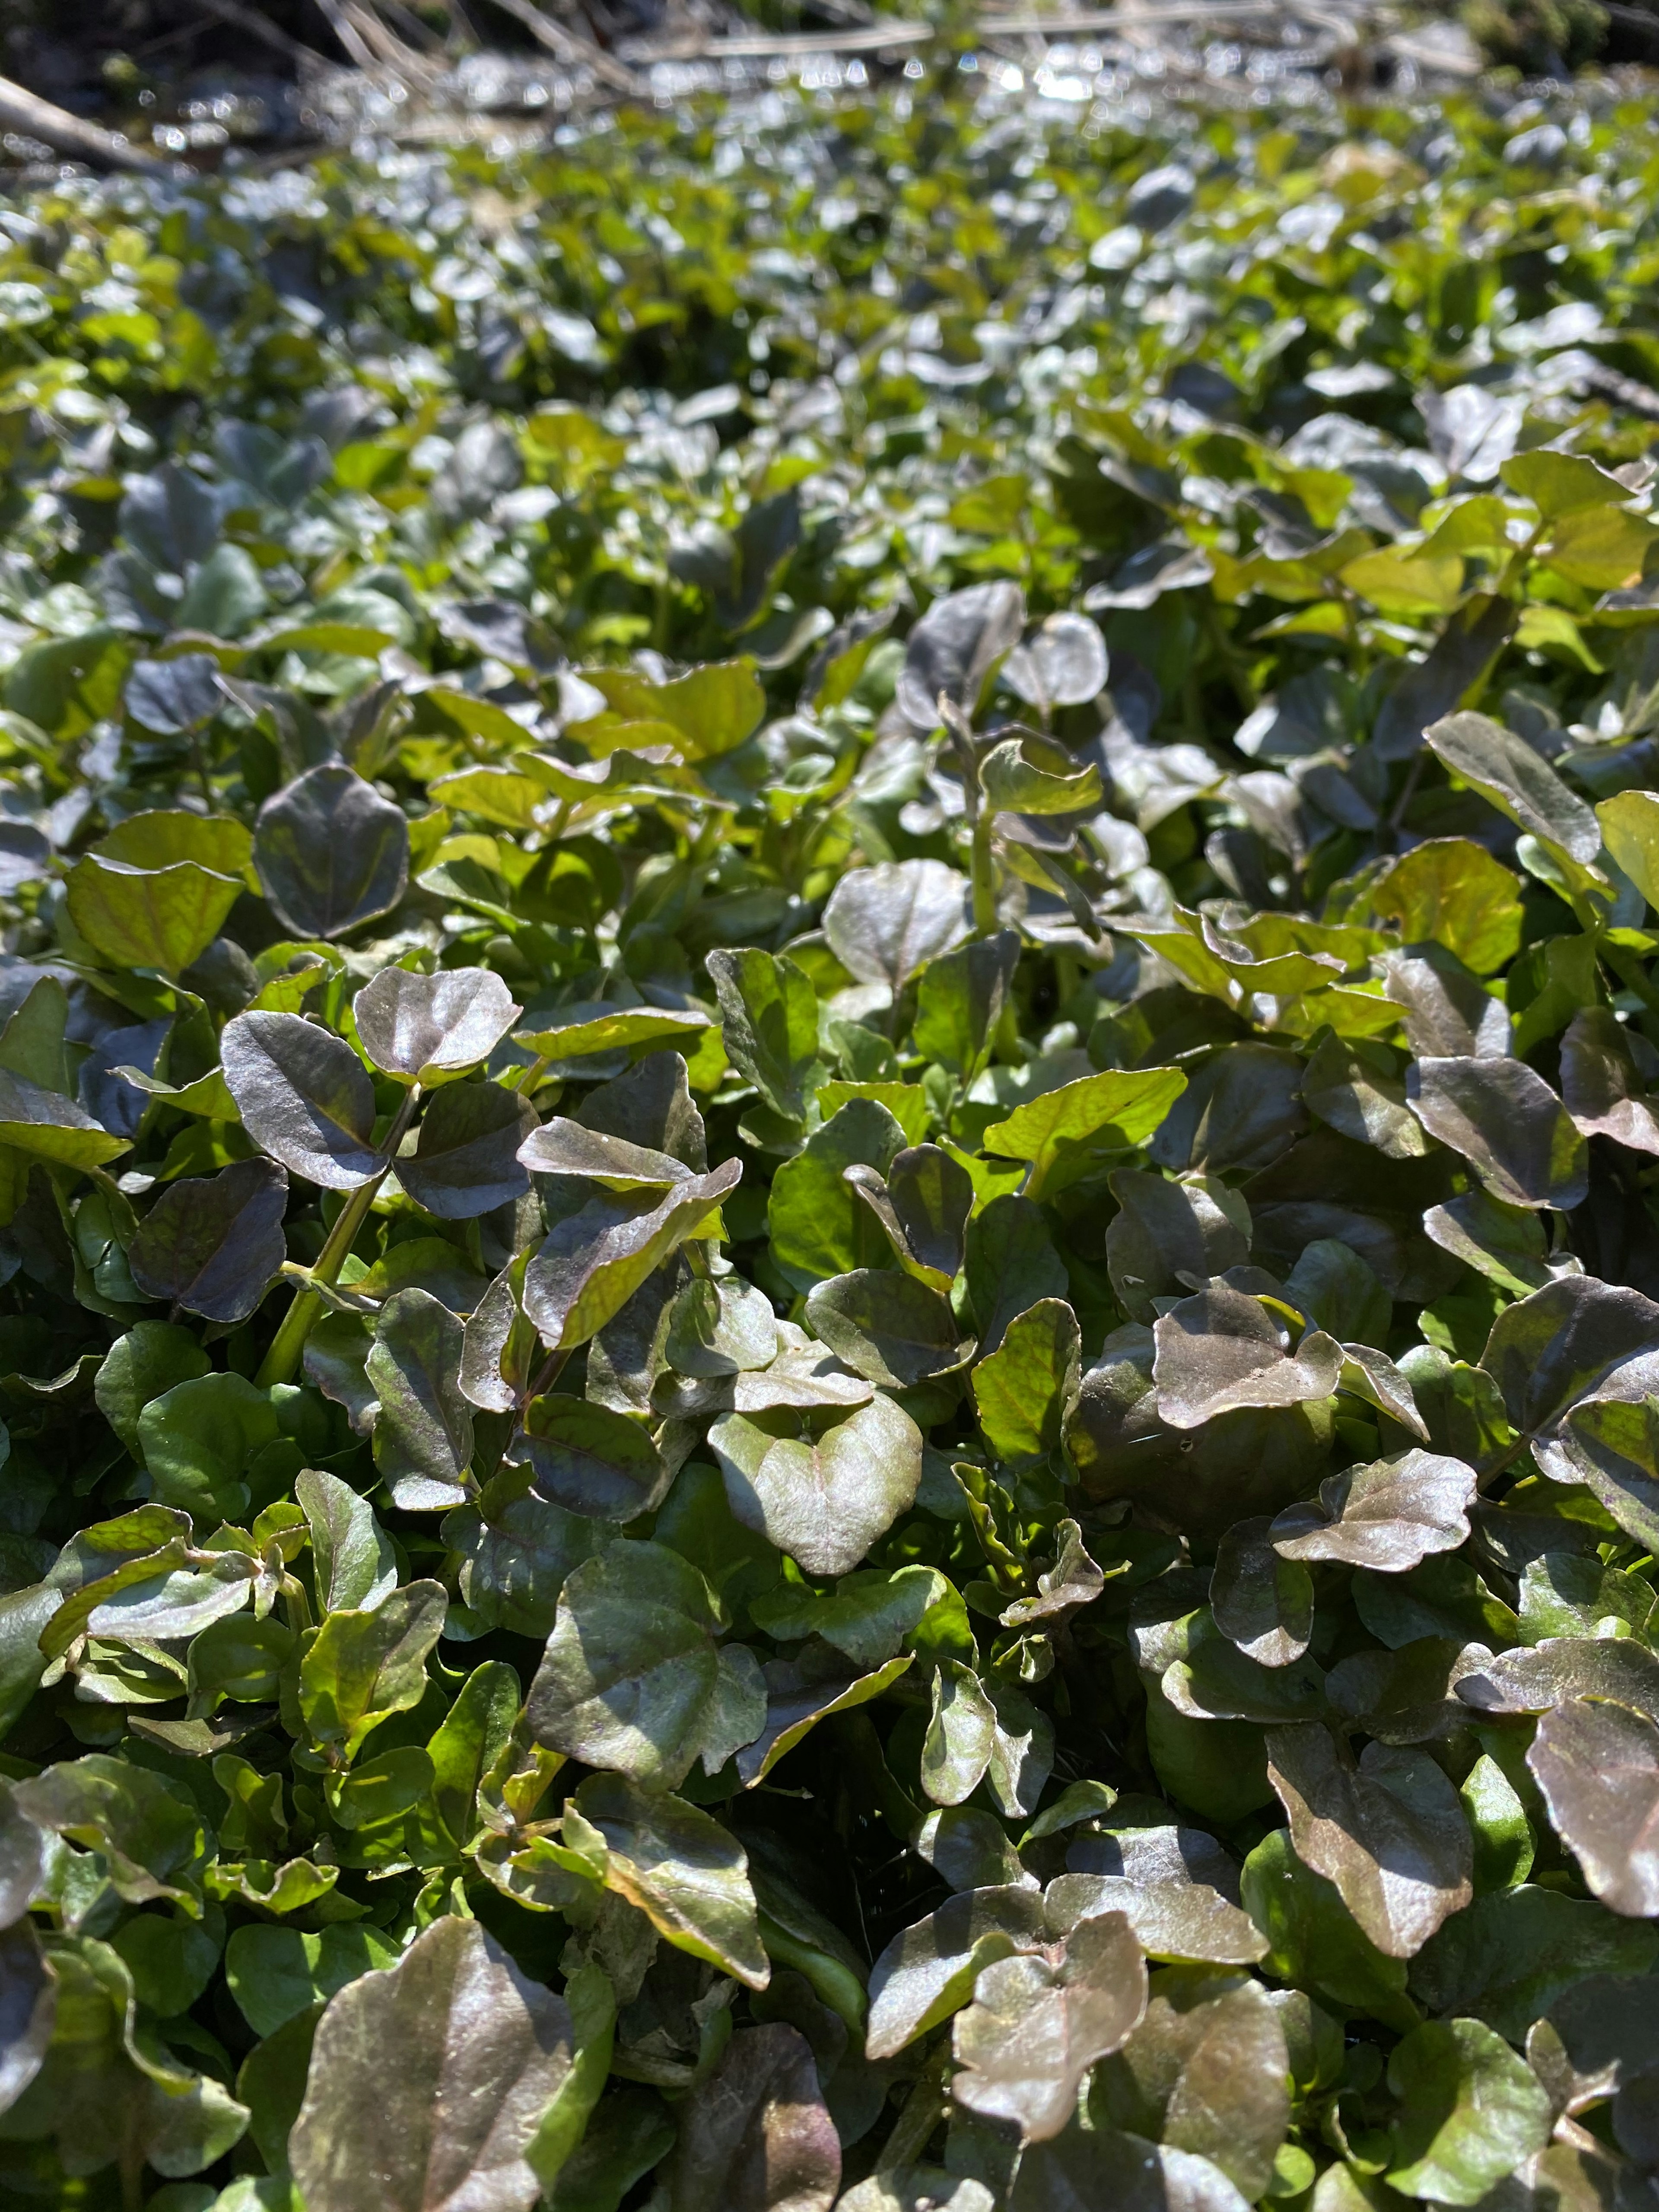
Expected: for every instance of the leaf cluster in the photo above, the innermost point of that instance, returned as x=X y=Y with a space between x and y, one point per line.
x=829 y=1110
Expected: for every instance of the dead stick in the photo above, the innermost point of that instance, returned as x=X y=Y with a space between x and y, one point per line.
x=33 y=117
x=567 y=47
x=260 y=26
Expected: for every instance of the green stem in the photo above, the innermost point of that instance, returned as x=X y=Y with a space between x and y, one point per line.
x=838 y=1986
x=282 y=1361
x=925 y=2108
x=985 y=884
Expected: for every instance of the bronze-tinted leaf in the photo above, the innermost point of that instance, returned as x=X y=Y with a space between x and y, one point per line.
x=1507 y=1122
x=1386 y=1517
x=1389 y=1832
x=466 y=1160
x=1104 y=2170
x=423 y=1433
x=923 y=1203
x=1517 y=778
x=1040 y=2018
x=430 y=1028
x=594 y=1260
x=825 y=1499
x=1562 y=1668
x=211 y=1244
x=1449 y=1014
x=1597 y=1765
x=304 y=1096
x=885 y=923
x=1356 y=1087
x=428 y=2080
x=589 y=1459
x=1568 y=1341
x=331 y=853
x=887 y=1327
x=954 y=647
x=756 y=2136
x=633 y=1679
x=1610 y=1079
x=1261 y=1600
x=1170 y=1232
x=1221 y=1350
x=926 y=1972
x=562 y=1147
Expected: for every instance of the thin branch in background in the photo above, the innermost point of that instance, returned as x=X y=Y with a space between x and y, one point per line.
x=346 y=31
x=259 y=26
x=567 y=47
x=26 y=114
x=409 y=23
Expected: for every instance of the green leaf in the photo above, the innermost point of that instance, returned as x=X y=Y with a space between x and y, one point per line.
x=276 y=1973
x=1630 y=824
x=197 y=1439
x=1069 y=1133
x=1033 y=774
x=633 y=1678
x=363 y=1667
x=423 y=1433
x=769 y=1014
x=351 y=1556
x=681 y=1868
x=714 y=708
x=819 y=1226
x=1025 y=1390
x=959 y=1002
x=158 y=917
x=1472 y=2111
x=46 y=1126
x=151 y=1838
x=823 y=1499
x=1315 y=1941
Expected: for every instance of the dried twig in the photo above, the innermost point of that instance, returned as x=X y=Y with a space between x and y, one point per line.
x=884 y=37
x=575 y=52
x=26 y=114
x=350 y=38
x=258 y=26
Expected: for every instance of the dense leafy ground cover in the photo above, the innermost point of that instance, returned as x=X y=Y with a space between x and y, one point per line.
x=826 y=1130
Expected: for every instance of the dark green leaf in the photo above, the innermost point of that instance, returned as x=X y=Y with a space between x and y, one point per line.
x=331 y=853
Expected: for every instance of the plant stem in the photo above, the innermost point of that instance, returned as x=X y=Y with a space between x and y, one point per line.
x=985 y=888
x=280 y=1363
x=924 y=2109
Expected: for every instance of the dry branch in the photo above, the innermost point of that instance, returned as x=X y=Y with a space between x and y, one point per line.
x=35 y=118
